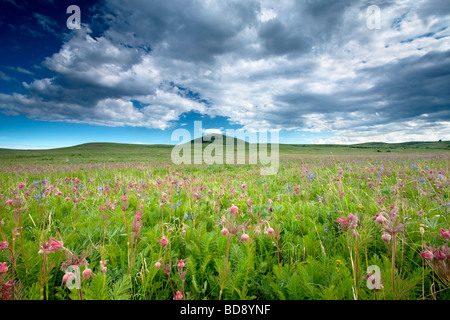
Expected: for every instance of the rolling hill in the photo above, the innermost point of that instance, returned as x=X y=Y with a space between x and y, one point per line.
x=100 y=152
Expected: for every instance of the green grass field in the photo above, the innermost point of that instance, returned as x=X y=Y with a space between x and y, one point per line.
x=122 y=222
x=115 y=153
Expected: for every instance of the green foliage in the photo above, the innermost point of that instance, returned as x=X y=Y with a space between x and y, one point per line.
x=308 y=255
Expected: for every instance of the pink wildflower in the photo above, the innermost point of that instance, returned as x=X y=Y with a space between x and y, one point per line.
x=178 y=296
x=52 y=246
x=4 y=245
x=439 y=255
x=181 y=263
x=67 y=277
x=3 y=267
x=163 y=241
x=224 y=231
x=87 y=273
x=380 y=219
x=234 y=209
x=245 y=237
x=445 y=234
x=102 y=266
x=9 y=202
x=386 y=237
x=428 y=255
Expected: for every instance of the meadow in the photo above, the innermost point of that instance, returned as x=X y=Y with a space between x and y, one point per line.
x=120 y=222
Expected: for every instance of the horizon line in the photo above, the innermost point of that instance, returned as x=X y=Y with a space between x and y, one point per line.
x=30 y=148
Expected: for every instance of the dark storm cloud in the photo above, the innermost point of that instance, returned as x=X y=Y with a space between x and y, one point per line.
x=414 y=86
x=194 y=31
x=279 y=39
x=407 y=89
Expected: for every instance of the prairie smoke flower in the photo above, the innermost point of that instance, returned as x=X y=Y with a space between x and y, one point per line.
x=390 y=224
x=178 y=296
x=349 y=223
x=139 y=215
x=386 y=237
x=163 y=241
x=380 y=219
x=67 y=277
x=269 y=201
x=21 y=185
x=9 y=202
x=439 y=255
x=157 y=264
x=51 y=246
x=342 y=222
x=234 y=209
x=249 y=205
x=87 y=273
x=102 y=266
x=4 y=245
x=445 y=234
x=438 y=260
x=225 y=232
x=181 y=263
x=245 y=237
x=428 y=255
x=3 y=267
x=6 y=290
x=137 y=223
x=124 y=203
x=67 y=199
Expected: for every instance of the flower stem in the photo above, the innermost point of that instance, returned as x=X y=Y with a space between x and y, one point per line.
x=226 y=267
x=128 y=235
x=393 y=263
x=42 y=276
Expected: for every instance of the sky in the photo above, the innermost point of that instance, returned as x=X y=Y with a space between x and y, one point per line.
x=316 y=71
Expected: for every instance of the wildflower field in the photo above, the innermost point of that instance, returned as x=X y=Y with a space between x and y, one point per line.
x=323 y=227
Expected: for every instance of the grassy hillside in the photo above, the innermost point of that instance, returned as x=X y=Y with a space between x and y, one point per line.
x=114 y=152
x=89 y=153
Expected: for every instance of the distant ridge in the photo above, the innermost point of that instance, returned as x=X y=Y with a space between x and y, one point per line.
x=210 y=138
x=207 y=139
